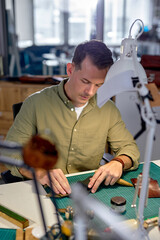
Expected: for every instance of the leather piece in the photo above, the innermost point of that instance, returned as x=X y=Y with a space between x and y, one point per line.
x=154 y=189
x=85 y=183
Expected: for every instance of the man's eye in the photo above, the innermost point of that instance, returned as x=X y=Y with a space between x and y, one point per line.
x=84 y=81
x=99 y=85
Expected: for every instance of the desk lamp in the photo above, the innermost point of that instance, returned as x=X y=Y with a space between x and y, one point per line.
x=121 y=75
x=127 y=74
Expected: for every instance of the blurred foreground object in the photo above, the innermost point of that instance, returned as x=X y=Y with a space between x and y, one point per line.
x=40 y=153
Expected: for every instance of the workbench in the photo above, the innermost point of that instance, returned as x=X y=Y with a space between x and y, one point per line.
x=104 y=194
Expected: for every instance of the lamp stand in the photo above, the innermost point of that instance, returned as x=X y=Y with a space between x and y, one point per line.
x=149 y=118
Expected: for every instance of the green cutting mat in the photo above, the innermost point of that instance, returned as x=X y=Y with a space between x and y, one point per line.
x=7 y=234
x=106 y=193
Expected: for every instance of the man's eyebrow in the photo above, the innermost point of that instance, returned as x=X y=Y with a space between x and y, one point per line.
x=90 y=81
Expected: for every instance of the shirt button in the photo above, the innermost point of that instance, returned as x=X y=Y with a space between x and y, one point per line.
x=72 y=109
x=72 y=149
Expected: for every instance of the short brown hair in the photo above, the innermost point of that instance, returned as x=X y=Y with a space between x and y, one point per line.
x=96 y=50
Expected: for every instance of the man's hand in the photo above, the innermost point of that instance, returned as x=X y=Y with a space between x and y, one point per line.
x=59 y=181
x=110 y=172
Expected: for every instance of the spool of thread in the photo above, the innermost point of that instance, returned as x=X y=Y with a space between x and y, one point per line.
x=118 y=204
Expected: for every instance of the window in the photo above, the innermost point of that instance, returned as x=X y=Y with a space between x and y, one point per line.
x=48 y=22
x=81 y=20
x=68 y=22
x=120 y=14
x=58 y=22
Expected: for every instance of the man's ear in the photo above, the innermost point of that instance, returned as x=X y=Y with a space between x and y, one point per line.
x=70 y=67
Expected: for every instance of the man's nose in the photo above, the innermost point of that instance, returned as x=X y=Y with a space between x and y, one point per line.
x=90 y=90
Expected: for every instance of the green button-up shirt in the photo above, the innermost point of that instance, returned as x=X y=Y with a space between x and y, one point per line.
x=81 y=143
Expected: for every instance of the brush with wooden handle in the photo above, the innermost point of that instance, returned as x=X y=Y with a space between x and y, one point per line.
x=124 y=183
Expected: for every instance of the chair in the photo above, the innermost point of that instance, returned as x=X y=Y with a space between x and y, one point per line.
x=16 y=107
x=7 y=177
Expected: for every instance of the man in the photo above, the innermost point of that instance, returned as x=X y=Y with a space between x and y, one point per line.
x=80 y=128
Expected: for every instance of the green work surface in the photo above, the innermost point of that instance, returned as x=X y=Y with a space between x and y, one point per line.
x=7 y=234
x=106 y=193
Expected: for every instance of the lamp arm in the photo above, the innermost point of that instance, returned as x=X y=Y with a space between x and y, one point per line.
x=13 y=161
x=10 y=145
x=140 y=33
x=148 y=116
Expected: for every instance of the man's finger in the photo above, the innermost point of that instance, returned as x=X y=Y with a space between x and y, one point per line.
x=94 y=178
x=60 y=181
x=108 y=180
x=97 y=183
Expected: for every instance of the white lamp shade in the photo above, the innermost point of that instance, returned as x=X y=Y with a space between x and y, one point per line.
x=125 y=64
x=112 y=86
x=119 y=78
x=128 y=60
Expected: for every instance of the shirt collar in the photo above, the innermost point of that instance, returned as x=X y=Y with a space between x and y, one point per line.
x=92 y=102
